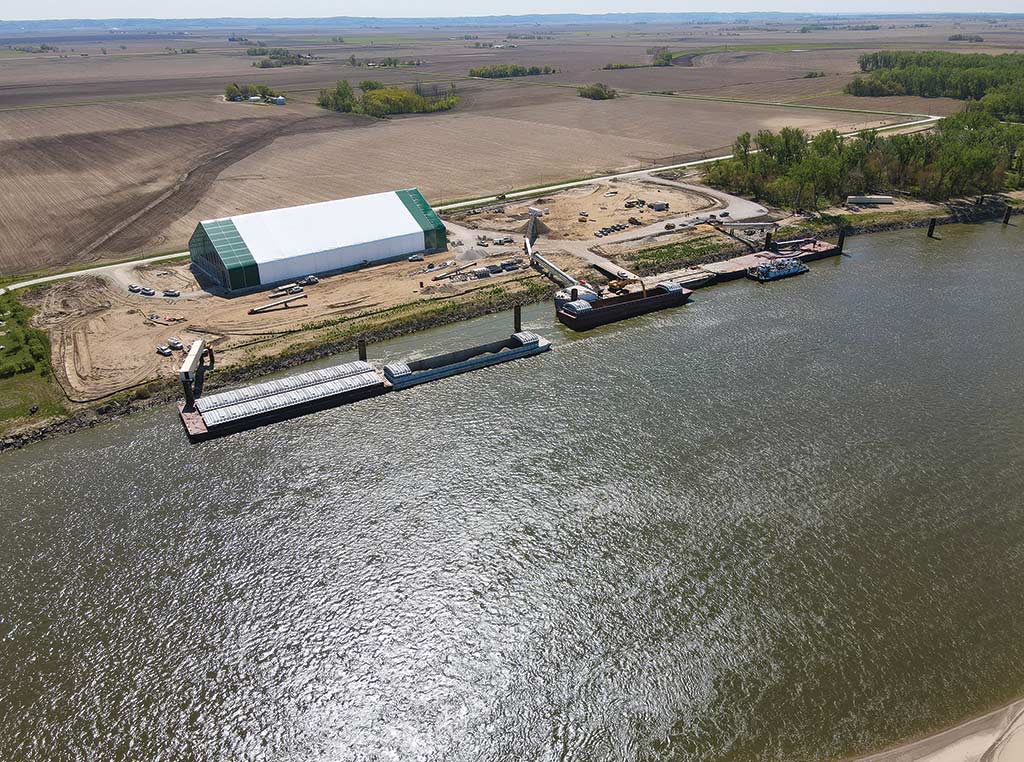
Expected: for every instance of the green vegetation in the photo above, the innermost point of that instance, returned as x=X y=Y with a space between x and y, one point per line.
x=25 y=371
x=503 y=71
x=1005 y=102
x=932 y=74
x=596 y=92
x=814 y=75
x=384 y=63
x=278 y=57
x=234 y=92
x=380 y=101
x=370 y=84
x=662 y=57
x=679 y=254
x=26 y=349
x=966 y=155
x=966 y=38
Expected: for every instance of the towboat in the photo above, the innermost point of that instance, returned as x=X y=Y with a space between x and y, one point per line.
x=776 y=269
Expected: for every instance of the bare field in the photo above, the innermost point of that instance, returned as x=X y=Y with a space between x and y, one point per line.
x=498 y=148
x=115 y=155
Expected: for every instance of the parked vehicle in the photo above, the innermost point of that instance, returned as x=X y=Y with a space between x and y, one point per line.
x=134 y=288
x=295 y=290
x=175 y=343
x=416 y=258
x=312 y=280
x=724 y=214
x=171 y=292
x=670 y=226
x=147 y=292
x=165 y=351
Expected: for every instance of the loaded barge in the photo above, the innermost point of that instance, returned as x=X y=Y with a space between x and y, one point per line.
x=402 y=375
x=582 y=314
x=216 y=415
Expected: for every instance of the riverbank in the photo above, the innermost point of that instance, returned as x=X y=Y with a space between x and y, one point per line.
x=997 y=736
x=331 y=337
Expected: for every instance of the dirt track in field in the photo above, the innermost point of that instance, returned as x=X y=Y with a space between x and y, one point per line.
x=66 y=203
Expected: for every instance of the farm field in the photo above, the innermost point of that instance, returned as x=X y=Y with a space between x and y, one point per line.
x=116 y=144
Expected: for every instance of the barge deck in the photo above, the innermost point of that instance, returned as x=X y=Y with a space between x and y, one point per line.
x=266 y=402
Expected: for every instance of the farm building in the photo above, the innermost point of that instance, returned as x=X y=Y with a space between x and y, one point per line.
x=259 y=249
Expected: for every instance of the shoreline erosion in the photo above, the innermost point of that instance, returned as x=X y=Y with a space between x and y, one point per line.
x=168 y=391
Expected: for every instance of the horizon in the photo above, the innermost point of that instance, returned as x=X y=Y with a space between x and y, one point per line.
x=562 y=8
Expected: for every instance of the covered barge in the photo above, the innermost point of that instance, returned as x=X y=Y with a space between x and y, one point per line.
x=270 y=401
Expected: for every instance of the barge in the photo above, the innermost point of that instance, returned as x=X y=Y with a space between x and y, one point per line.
x=270 y=401
x=402 y=375
x=216 y=415
x=582 y=315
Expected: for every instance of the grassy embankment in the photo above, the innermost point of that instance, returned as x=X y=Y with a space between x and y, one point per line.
x=702 y=249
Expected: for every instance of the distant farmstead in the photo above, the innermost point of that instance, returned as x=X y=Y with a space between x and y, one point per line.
x=251 y=251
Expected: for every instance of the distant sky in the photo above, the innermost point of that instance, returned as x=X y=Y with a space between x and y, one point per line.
x=52 y=9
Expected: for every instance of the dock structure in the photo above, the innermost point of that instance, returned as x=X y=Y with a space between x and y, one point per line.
x=548 y=267
x=808 y=250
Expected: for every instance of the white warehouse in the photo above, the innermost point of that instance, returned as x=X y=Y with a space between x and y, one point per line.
x=253 y=250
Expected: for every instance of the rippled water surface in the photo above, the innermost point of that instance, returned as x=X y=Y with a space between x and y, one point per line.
x=781 y=523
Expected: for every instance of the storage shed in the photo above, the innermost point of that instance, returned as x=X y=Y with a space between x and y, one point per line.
x=250 y=251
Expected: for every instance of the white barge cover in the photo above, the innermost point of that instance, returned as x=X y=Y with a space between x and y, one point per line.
x=268 y=396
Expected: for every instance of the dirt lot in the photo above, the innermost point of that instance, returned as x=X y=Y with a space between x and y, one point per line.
x=603 y=203
x=115 y=154
x=104 y=337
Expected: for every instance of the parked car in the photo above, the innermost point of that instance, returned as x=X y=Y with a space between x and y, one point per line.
x=416 y=258
x=134 y=288
x=295 y=290
x=175 y=343
x=165 y=351
x=171 y=292
x=670 y=226
x=312 y=280
x=724 y=214
x=147 y=291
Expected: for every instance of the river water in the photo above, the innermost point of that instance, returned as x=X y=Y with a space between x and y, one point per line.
x=781 y=523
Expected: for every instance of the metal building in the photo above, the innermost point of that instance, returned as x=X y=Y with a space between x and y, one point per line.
x=253 y=250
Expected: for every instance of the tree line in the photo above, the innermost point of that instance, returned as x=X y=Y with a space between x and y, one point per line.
x=596 y=92
x=25 y=348
x=502 y=71
x=965 y=155
x=235 y=91
x=934 y=74
x=378 y=100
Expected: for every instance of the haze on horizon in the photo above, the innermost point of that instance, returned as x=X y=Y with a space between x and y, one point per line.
x=100 y=9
